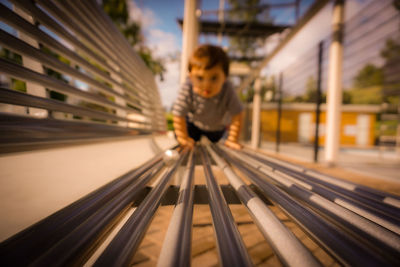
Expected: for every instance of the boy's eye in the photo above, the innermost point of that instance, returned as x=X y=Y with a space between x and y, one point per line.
x=199 y=78
x=214 y=78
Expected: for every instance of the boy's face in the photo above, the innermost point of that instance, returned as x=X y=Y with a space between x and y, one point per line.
x=206 y=82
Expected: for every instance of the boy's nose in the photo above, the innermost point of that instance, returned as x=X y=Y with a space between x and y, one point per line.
x=207 y=84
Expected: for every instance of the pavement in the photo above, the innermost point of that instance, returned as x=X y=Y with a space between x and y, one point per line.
x=375 y=162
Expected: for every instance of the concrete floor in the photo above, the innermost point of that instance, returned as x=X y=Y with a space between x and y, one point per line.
x=372 y=162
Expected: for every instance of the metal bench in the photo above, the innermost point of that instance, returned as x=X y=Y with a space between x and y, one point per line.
x=108 y=92
x=357 y=225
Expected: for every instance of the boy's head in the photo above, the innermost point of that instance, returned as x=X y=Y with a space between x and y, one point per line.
x=208 y=70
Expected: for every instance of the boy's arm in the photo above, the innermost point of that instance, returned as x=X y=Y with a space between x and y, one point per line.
x=234 y=131
x=181 y=132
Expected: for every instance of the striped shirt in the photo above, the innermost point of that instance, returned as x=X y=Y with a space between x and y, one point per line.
x=208 y=114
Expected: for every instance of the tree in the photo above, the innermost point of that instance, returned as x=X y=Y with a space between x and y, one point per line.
x=246 y=11
x=118 y=12
x=369 y=75
x=396 y=4
x=367 y=86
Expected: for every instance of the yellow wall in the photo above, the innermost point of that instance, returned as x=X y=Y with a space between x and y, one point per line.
x=290 y=121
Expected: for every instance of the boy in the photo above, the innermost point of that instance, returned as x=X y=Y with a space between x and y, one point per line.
x=207 y=103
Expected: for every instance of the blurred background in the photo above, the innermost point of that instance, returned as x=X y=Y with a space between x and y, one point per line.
x=293 y=81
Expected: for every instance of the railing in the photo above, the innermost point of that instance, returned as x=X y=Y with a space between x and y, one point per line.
x=355 y=224
x=67 y=73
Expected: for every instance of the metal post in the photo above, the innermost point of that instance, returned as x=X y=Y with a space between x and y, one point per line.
x=255 y=129
x=177 y=243
x=318 y=110
x=334 y=96
x=190 y=35
x=221 y=19
x=278 y=129
x=297 y=10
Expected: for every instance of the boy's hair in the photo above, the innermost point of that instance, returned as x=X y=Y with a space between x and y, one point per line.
x=215 y=54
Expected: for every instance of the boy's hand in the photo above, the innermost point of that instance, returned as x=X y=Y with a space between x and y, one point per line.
x=233 y=145
x=181 y=132
x=189 y=142
x=234 y=131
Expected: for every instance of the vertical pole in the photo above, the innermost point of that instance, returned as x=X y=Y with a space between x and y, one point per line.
x=297 y=10
x=189 y=36
x=221 y=19
x=278 y=129
x=318 y=110
x=255 y=129
x=334 y=96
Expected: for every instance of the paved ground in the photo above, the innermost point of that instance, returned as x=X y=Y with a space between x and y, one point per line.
x=381 y=164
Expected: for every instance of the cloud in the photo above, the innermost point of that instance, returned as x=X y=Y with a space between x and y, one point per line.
x=145 y=16
x=162 y=43
x=170 y=86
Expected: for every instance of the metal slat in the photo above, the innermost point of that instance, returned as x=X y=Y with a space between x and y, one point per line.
x=94 y=29
x=29 y=29
x=21 y=133
x=379 y=195
x=176 y=249
x=358 y=207
x=76 y=14
x=35 y=240
x=18 y=98
x=343 y=187
x=72 y=248
x=123 y=246
x=92 y=11
x=232 y=251
x=378 y=237
x=288 y=248
x=20 y=72
x=24 y=49
x=340 y=245
x=118 y=42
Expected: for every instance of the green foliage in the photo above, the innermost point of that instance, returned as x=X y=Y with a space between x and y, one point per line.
x=170 y=123
x=246 y=11
x=18 y=85
x=396 y=4
x=367 y=95
x=57 y=96
x=367 y=87
x=368 y=76
x=132 y=32
x=54 y=54
x=310 y=96
x=391 y=50
x=386 y=127
x=14 y=57
x=117 y=10
x=346 y=97
x=156 y=66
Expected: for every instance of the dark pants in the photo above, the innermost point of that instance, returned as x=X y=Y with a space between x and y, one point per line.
x=195 y=133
